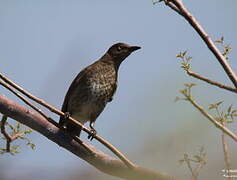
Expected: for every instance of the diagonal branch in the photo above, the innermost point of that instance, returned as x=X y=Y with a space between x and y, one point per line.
x=215 y=83
x=95 y=157
x=209 y=117
x=25 y=100
x=53 y=109
x=172 y=6
x=183 y=11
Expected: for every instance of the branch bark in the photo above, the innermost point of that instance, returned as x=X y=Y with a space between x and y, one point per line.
x=226 y=152
x=209 y=117
x=10 y=85
x=87 y=152
x=215 y=83
x=183 y=11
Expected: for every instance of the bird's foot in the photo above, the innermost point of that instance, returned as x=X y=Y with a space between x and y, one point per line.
x=92 y=134
x=66 y=115
x=63 y=122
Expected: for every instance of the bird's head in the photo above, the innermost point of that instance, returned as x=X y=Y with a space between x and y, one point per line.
x=119 y=51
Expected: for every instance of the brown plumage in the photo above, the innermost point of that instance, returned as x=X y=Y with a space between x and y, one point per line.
x=93 y=88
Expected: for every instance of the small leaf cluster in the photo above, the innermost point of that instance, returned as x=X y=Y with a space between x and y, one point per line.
x=185 y=60
x=199 y=158
x=186 y=92
x=226 y=48
x=18 y=132
x=195 y=162
x=14 y=150
x=223 y=116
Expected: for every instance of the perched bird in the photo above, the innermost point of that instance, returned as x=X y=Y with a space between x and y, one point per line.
x=93 y=88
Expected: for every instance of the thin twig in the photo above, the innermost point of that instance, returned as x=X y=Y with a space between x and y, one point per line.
x=226 y=152
x=215 y=83
x=54 y=110
x=206 y=38
x=196 y=170
x=27 y=102
x=186 y=159
x=209 y=117
x=6 y=135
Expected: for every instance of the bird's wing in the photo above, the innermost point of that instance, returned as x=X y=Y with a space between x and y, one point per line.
x=76 y=82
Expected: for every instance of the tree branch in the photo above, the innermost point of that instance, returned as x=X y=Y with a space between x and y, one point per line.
x=95 y=157
x=186 y=159
x=172 y=6
x=226 y=152
x=209 y=117
x=215 y=83
x=205 y=37
x=53 y=109
x=9 y=137
x=6 y=135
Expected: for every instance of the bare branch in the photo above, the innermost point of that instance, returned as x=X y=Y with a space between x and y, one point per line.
x=215 y=83
x=53 y=109
x=4 y=132
x=194 y=176
x=95 y=157
x=209 y=117
x=206 y=38
x=198 y=160
x=25 y=100
x=226 y=152
x=9 y=138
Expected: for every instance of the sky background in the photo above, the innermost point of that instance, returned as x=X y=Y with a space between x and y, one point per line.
x=44 y=44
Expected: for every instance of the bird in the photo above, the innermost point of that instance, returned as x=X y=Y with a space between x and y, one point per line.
x=93 y=88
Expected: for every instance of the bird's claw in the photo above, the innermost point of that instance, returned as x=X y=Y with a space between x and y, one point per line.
x=92 y=134
x=66 y=115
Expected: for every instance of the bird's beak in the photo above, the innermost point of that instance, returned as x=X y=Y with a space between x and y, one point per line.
x=134 y=48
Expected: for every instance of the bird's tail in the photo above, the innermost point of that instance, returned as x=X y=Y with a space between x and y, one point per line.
x=70 y=127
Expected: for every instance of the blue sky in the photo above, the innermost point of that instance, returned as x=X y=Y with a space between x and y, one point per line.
x=44 y=44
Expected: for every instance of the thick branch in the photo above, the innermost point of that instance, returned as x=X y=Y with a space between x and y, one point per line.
x=206 y=38
x=53 y=109
x=95 y=157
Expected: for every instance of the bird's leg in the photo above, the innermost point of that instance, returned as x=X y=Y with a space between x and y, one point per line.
x=93 y=131
x=65 y=117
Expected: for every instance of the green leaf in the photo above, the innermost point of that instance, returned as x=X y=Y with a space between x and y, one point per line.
x=28 y=131
x=184 y=53
x=219 y=103
x=229 y=109
x=18 y=126
x=189 y=58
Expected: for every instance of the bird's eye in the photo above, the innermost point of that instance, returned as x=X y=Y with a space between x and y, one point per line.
x=119 y=48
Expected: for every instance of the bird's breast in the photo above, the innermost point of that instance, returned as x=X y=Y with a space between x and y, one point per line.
x=102 y=85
